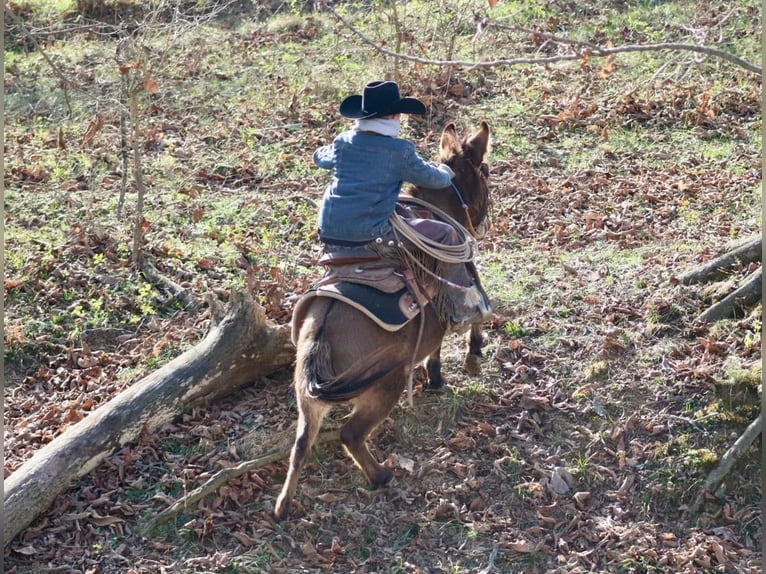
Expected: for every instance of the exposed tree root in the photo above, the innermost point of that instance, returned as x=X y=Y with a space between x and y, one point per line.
x=727 y=462
x=746 y=296
x=719 y=267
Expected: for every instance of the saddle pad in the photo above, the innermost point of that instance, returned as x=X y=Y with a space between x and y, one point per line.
x=391 y=311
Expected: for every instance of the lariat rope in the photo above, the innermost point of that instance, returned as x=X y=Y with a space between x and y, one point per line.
x=461 y=253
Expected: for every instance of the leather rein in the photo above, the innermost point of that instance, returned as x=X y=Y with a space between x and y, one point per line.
x=482 y=178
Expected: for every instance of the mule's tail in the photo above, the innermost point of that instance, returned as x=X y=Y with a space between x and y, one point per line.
x=321 y=384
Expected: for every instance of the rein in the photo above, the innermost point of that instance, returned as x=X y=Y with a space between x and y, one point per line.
x=464 y=205
x=482 y=177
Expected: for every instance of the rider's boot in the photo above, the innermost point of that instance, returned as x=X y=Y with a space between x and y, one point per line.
x=468 y=304
x=468 y=301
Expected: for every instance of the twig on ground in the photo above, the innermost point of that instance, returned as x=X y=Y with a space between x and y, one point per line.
x=176 y=291
x=491 y=565
x=223 y=476
x=693 y=422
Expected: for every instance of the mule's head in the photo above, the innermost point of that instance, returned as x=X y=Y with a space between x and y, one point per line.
x=466 y=158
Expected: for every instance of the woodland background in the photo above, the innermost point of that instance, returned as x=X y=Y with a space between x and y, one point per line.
x=157 y=153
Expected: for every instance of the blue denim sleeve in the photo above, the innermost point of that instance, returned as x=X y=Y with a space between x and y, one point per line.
x=323 y=156
x=417 y=171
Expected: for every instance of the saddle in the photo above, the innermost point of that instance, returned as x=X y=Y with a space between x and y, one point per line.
x=381 y=288
x=386 y=289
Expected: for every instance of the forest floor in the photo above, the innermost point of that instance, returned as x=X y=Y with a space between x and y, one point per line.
x=602 y=405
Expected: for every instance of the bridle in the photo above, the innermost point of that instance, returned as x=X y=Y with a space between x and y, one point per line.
x=482 y=172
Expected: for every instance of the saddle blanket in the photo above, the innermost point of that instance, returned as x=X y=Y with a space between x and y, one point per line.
x=390 y=311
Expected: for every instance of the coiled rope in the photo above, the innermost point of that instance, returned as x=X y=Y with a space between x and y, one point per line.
x=463 y=252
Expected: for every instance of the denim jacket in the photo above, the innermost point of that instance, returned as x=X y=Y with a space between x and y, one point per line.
x=368 y=172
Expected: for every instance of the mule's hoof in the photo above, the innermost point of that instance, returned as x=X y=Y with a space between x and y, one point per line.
x=472 y=365
x=382 y=477
x=281 y=510
x=435 y=384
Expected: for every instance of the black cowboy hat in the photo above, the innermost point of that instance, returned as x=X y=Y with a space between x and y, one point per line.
x=379 y=99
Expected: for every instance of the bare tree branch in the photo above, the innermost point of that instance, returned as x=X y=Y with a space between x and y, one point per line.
x=680 y=47
x=590 y=50
x=65 y=82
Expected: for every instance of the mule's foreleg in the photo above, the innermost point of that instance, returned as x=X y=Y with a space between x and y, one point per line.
x=371 y=409
x=310 y=416
x=472 y=363
x=434 y=370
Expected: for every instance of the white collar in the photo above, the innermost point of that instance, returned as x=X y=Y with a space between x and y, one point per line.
x=383 y=126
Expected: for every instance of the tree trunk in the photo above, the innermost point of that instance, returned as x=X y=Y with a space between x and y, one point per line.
x=241 y=346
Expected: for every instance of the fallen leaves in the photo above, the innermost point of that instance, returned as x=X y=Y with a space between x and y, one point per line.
x=29 y=173
x=546 y=458
x=560 y=481
x=94 y=127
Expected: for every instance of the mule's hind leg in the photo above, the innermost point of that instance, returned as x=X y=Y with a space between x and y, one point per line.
x=371 y=409
x=472 y=363
x=310 y=415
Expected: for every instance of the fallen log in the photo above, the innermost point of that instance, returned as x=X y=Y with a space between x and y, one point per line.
x=241 y=345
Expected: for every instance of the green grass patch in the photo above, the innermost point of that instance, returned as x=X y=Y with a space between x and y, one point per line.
x=587 y=327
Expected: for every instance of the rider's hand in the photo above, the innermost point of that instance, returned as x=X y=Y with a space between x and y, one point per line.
x=444 y=168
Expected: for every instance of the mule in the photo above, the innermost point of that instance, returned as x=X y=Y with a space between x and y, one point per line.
x=338 y=343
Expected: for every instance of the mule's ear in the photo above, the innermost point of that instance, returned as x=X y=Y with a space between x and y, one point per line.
x=450 y=143
x=478 y=144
